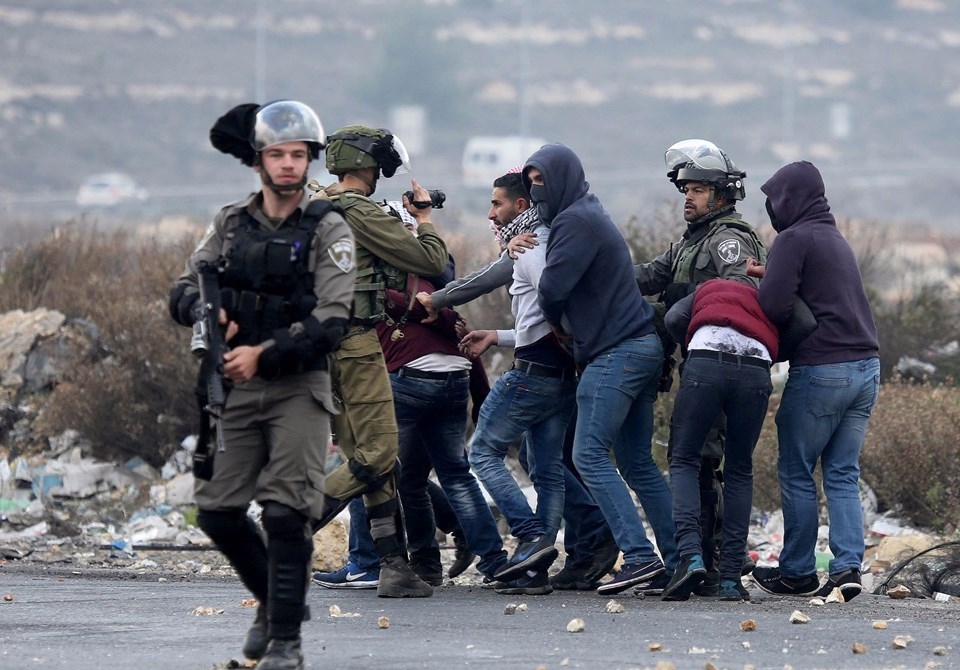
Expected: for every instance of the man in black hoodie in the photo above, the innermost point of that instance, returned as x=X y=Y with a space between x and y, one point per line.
x=832 y=387
x=588 y=295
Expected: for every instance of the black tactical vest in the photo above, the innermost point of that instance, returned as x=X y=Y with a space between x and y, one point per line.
x=267 y=282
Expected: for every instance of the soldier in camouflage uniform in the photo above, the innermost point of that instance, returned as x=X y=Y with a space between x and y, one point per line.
x=716 y=244
x=366 y=426
x=285 y=268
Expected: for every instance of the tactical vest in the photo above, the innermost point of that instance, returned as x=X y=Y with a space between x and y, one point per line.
x=374 y=277
x=685 y=264
x=267 y=282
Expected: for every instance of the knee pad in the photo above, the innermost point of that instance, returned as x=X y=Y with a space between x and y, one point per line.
x=223 y=526
x=282 y=521
x=384 y=510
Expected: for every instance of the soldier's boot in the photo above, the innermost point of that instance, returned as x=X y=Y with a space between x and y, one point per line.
x=397 y=578
x=237 y=537
x=289 y=549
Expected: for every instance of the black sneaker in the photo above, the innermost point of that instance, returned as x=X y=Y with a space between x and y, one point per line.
x=534 y=583
x=688 y=575
x=847 y=581
x=771 y=581
x=654 y=587
x=733 y=591
x=748 y=565
x=605 y=556
x=572 y=579
x=462 y=557
x=710 y=586
x=535 y=555
x=631 y=574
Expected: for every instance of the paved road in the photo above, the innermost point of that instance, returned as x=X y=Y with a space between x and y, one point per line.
x=96 y=620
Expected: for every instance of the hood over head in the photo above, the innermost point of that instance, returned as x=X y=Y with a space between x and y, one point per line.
x=563 y=178
x=795 y=192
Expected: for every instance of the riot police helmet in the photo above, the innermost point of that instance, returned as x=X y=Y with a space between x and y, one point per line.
x=287 y=121
x=356 y=147
x=702 y=161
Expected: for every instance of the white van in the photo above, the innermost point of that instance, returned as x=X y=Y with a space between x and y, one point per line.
x=487 y=157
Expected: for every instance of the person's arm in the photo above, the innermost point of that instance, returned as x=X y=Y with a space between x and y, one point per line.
x=677 y=318
x=570 y=251
x=781 y=278
x=488 y=278
x=185 y=291
x=730 y=249
x=655 y=276
x=386 y=238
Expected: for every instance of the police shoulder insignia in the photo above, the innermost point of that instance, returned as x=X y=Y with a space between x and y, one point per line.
x=729 y=251
x=341 y=253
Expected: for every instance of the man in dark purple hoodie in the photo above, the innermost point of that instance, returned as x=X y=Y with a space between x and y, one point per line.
x=588 y=294
x=832 y=386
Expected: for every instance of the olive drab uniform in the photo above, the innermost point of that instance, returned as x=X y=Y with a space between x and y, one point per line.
x=288 y=285
x=716 y=247
x=365 y=426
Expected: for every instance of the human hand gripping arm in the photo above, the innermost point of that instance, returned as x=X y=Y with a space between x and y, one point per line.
x=475 y=343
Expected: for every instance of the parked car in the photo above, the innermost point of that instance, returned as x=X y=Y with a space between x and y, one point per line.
x=109 y=189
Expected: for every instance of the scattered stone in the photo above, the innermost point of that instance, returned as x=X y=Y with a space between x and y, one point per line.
x=334 y=610
x=654 y=646
x=576 y=626
x=696 y=650
x=901 y=641
x=880 y=625
x=565 y=662
x=835 y=596
x=816 y=602
x=899 y=592
x=522 y=607
x=748 y=625
x=8 y=598
x=336 y=613
x=613 y=607
x=383 y=622
x=709 y=666
x=799 y=617
x=745 y=644
x=932 y=665
x=859 y=648
x=665 y=665
x=510 y=608
x=206 y=611
x=940 y=650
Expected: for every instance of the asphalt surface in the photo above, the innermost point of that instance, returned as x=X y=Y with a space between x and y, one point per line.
x=95 y=619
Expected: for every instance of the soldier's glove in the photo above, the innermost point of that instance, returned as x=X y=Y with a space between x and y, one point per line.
x=676 y=292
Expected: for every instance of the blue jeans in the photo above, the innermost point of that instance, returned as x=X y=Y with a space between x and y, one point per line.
x=432 y=421
x=362 y=552
x=823 y=416
x=615 y=413
x=710 y=388
x=537 y=407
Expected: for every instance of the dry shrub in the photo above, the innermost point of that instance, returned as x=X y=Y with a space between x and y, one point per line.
x=766 y=484
x=910 y=453
x=136 y=400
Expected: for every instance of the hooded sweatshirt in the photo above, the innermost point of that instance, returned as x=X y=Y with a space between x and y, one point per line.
x=811 y=259
x=588 y=280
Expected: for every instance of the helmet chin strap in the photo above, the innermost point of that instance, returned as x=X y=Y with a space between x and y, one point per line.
x=286 y=188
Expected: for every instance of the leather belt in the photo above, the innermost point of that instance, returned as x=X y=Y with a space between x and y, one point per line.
x=724 y=357
x=542 y=370
x=424 y=374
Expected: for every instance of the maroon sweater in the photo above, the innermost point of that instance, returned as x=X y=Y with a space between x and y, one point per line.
x=724 y=302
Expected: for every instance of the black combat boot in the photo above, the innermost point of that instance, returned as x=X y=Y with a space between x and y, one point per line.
x=282 y=655
x=462 y=557
x=397 y=578
x=255 y=643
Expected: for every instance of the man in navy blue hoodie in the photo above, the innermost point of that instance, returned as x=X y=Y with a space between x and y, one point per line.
x=832 y=387
x=588 y=294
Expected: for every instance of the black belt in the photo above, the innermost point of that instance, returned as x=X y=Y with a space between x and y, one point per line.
x=724 y=357
x=423 y=374
x=542 y=370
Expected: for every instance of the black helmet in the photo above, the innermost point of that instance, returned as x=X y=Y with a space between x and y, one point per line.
x=703 y=161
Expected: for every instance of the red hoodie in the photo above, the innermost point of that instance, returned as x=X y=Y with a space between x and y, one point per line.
x=725 y=302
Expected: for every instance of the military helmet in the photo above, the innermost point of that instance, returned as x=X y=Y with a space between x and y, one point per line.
x=703 y=161
x=287 y=121
x=356 y=147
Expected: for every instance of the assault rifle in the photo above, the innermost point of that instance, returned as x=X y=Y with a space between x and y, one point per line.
x=208 y=345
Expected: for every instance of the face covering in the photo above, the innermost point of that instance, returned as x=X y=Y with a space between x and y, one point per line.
x=773 y=217
x=538 y=195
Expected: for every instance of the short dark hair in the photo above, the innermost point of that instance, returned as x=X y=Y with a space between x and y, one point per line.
x=512 y=184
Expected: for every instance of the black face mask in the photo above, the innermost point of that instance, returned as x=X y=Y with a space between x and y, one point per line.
x=773 y=217
x=538 y=196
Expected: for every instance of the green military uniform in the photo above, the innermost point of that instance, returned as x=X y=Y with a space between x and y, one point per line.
x=276 y=431
x=365 y=426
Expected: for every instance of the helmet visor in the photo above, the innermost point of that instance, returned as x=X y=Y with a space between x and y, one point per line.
x=286 y=121
x=401 y=154
x=700 y=154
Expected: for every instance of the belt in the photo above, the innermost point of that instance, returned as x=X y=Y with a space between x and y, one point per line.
x=424 y=374
x=542 y=370
x=724 y=357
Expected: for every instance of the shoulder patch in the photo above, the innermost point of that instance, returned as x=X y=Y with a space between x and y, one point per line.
x=729 y=250
x=341 y=253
